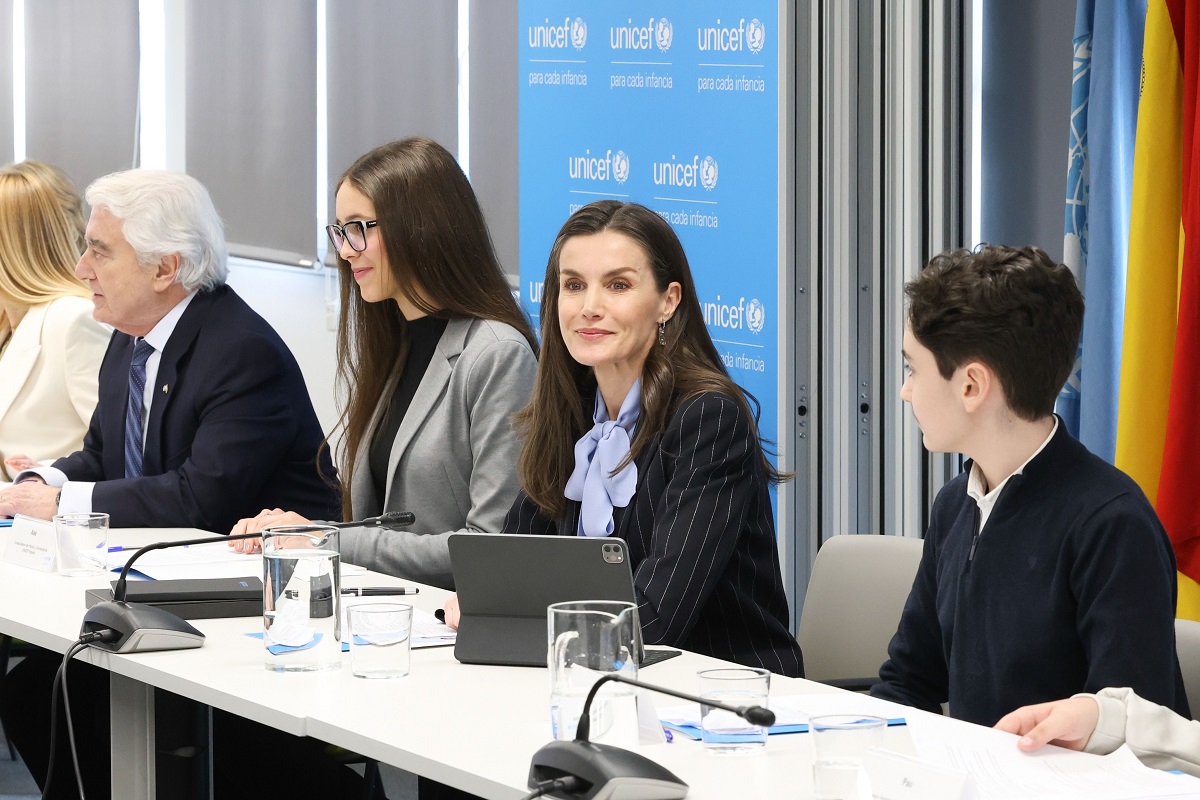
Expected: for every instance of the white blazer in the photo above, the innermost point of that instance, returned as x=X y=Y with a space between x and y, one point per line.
x=48 y=379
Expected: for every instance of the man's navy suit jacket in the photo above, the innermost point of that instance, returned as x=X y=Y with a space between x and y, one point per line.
x=231 y=429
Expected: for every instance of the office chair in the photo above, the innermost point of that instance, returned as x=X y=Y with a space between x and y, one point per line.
x=1187 y=645
x=857 y=590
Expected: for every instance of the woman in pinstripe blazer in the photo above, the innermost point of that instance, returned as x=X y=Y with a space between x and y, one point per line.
x=669 y=457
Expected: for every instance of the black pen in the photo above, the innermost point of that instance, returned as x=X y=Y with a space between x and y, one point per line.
x=380 y=591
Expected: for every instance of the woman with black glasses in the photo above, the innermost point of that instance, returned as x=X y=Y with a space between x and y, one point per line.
x=434 y=357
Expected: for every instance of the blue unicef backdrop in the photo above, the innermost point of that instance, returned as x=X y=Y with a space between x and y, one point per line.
x=673 y=105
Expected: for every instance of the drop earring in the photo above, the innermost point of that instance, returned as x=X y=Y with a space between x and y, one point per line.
x=662 y=333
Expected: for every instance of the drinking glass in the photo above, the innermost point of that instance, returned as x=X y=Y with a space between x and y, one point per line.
x=723 y=731
x=82 y=543
x=839 y=743
x=380 y=639
x=301 y=596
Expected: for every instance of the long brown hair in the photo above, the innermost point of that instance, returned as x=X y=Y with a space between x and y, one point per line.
x=440 y=257
x=686 y=365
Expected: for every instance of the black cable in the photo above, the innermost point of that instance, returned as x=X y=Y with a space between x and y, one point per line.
x=60 y=681
x=53 y=732
x=566 y=784
x=67 y=712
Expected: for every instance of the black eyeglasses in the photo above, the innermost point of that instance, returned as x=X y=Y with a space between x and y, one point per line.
x=354 y=232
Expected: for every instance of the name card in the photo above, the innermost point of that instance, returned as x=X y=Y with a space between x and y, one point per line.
x=650 y=730
x=31 y=543
x=899 y=777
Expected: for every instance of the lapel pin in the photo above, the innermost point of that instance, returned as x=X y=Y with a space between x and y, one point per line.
x=164 y=388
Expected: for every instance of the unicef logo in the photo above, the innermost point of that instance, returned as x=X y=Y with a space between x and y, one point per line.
x=756 y=36
x=756 y=315
x=620 y=164
x=663 y=34
x=578 y=33
x=708 y=173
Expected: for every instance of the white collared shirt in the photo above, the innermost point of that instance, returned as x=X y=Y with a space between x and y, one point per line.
x=975 y=482
x=157 y=337
x=77 y=495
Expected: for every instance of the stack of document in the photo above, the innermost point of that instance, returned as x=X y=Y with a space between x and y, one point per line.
x=1001 y=771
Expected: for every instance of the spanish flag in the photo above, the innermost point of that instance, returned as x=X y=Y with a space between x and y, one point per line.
x=1159 y=424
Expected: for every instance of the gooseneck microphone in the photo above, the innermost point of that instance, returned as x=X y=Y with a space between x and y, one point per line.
x=582 y=770
x=755 y=715
x=391 y=520
x=139 y=627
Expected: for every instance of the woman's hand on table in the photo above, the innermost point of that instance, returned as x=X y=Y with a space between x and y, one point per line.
x=451 y=611
x=267 y=518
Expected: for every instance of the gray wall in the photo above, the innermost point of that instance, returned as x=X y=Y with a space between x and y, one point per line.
x=1027 y=63
x=393 y=72
x=6 y=119
x=81 y=77
x=252 y=121
x=493 y=77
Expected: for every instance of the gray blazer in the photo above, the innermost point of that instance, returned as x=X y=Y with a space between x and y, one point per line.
x=454 y=458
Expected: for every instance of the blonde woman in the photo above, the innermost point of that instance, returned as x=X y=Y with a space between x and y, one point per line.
x=50 y=347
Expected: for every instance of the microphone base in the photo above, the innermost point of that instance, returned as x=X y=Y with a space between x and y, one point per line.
x=141 y=628
x=607 y=772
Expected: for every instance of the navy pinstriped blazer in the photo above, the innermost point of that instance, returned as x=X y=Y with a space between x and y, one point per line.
x=701 y=540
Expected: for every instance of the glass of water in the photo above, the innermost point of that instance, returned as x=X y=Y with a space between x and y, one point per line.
x=82 y=543
x=380 y=639
x=724 y=731
x=301 y=596
x=839 y=743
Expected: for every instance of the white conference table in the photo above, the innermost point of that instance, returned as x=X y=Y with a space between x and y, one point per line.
x=476 y=727
x=472 y=727
x=227 y=672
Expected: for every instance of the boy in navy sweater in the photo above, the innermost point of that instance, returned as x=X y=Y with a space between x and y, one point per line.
x=1046 y=572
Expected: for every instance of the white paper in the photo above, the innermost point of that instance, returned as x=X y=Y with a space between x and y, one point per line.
x=1003 y=772
x=895 y=776
x=429 y=632
x=215 y=560
x=650 y=730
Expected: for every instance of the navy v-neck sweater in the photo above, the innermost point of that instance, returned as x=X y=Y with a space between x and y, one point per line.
x=1070 y=588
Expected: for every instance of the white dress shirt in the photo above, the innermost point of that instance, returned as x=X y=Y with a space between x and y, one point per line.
x=975 y=483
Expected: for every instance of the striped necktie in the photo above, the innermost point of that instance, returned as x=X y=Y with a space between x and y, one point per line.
x=133 y=413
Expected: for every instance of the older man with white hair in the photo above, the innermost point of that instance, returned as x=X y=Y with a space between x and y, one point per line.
x=203 y=416
x=203 y=419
